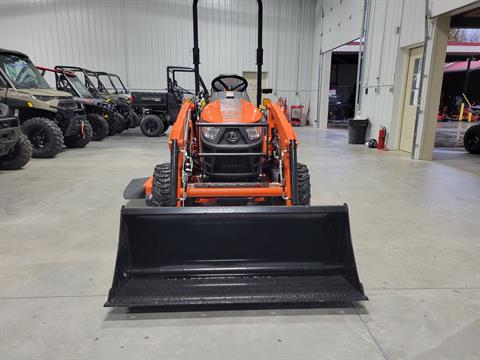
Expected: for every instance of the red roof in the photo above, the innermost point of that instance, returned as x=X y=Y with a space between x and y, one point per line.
x=460 y=66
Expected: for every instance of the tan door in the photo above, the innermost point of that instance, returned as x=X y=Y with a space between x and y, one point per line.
x=251 y=77
x=411 y=99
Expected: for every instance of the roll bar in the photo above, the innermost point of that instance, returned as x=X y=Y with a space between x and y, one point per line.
x=196 y=50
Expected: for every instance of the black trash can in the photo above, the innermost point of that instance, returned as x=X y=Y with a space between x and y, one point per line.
x=357 y=130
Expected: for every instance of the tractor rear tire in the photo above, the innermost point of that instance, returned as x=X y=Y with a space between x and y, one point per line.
x=99 y=126
x=79 y=140
x=161 y=185
x=44 y=135
x=471 y=139
x=20 y=155
x=152 y=125
x=304 y=188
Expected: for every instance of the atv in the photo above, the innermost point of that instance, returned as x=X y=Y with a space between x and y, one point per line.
x=161 y=109
x=99 y=113
x=105 y=85
x=49 y=118
x=119 y=122
x=228 y=221
x=117 y=87
x=15 y=148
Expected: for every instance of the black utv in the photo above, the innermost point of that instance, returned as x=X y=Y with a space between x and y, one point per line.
x=15 y=148
x=123 y=99
x=100 y=114
x=50 y=118
x=114 y=86
x=94 y=87
x=161 y=108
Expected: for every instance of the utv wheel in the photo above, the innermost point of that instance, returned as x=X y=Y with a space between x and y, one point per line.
x=471 y=139
x=117 y=124
x=44 y=135
x=166 y=125
x=152 y=126
x=161 y=185
x=122 y=123
x=134 y=120
x=20 y=155
x=81 y=139
x=99 y=126
x=303 y=178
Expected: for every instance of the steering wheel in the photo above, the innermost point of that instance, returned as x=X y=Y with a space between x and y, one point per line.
x=229 y=83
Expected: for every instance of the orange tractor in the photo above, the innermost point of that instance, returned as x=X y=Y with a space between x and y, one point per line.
x=228 y=220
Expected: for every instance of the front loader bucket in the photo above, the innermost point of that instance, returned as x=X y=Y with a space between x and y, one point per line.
x=234 y=256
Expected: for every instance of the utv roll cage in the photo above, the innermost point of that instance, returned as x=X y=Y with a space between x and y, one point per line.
x=94 y=90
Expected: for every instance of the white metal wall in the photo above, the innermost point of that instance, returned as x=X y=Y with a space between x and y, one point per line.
x=138 y=38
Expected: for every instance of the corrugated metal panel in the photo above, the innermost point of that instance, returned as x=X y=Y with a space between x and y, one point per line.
x=378 y=87
x=413 y=22
x=342 y=22
x=138 y=39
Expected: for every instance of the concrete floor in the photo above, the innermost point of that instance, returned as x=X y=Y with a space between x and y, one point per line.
x=450 y=134
x=416 y=233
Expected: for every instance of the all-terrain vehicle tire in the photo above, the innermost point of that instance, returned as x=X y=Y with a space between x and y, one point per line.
x=99 y=126
x=116 y=125
x=21 y=154
x=161 y=185
x=166 y=125
x=122 y=123
x=471 y=139
x=304 y=188
x=44 y=135
x=80 y=140
x=133 y=121
x=152 y=125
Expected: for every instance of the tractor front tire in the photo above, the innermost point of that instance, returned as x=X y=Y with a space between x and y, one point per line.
x=161 y=185
x=152 y=125
x=19 y=156
x=44 y=135
x=471 y=139
x=99 y=126
x=304 y=188
x=80 y=140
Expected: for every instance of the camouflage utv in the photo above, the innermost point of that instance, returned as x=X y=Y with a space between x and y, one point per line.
x=49 y=118
x=15 y=149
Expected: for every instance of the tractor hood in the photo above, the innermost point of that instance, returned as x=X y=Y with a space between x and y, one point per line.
x=231 y=111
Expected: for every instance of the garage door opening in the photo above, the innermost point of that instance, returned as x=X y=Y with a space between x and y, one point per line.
x=343 y=83
x=459 y=108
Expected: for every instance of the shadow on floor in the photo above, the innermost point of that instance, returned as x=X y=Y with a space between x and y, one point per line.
x=156 y=313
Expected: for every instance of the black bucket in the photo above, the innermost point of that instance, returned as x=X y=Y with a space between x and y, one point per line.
x=203 y=256
x=357 y=130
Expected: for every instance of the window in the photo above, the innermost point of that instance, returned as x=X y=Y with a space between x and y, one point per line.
x=22 y=73
x=415 y=88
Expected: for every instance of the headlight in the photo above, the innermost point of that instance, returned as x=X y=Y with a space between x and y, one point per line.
x=253 y=133
x=210 y=132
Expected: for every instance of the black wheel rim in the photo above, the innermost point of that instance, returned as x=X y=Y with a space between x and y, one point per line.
x=151 y=127
x=39 y=138
x=474 y=140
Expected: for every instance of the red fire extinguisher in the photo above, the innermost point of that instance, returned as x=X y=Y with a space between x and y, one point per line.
x=382 y=136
